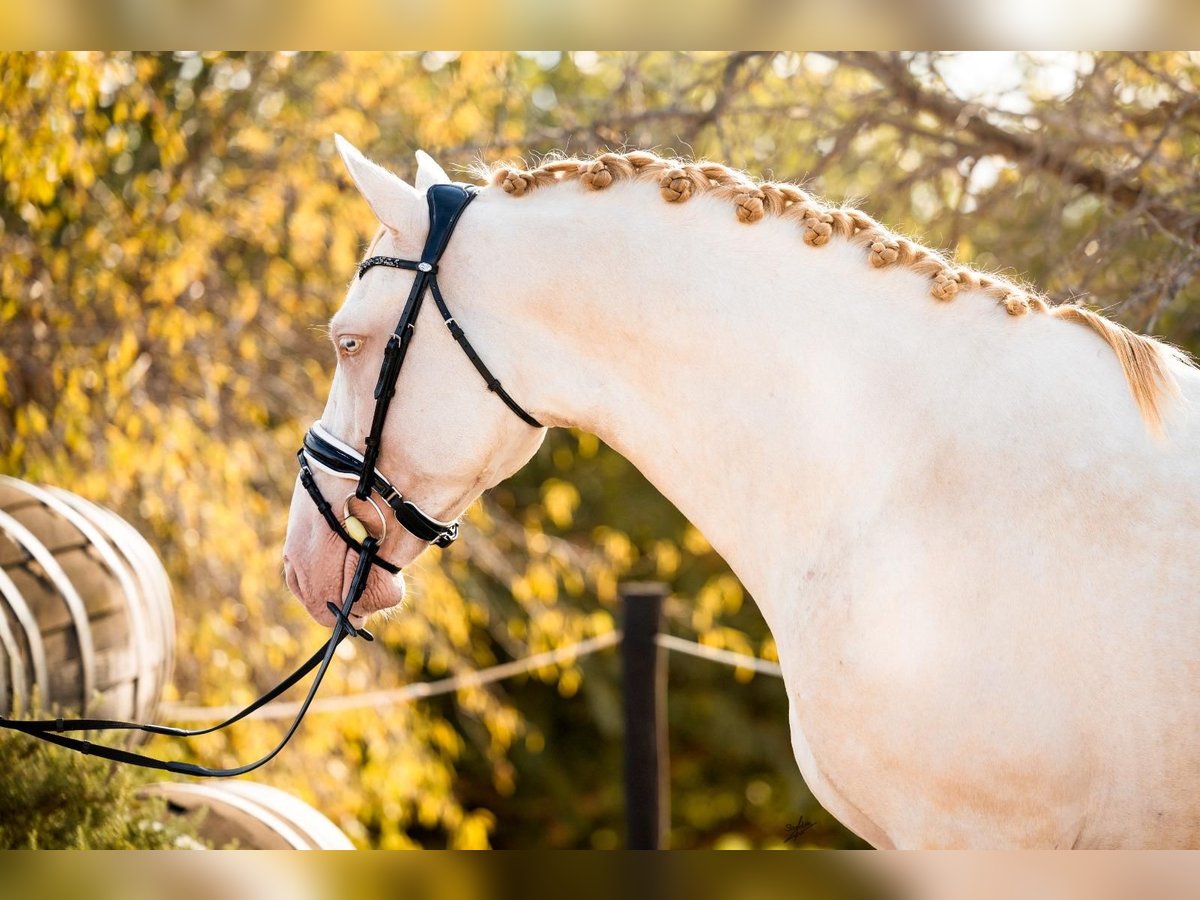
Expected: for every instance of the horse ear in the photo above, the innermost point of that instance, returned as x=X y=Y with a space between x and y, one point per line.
x=429 y=172
x=394 y=201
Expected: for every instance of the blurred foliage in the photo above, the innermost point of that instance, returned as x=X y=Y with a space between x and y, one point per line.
x=175 y=230
x=52 y=799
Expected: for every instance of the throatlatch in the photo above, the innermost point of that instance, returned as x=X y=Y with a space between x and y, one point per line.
x=329 y=454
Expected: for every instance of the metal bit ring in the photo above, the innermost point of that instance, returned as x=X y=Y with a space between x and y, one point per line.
x=347 y=517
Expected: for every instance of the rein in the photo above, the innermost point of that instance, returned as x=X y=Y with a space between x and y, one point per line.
x=324 y=451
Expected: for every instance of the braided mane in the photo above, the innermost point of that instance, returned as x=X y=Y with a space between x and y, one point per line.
x=1143 y=360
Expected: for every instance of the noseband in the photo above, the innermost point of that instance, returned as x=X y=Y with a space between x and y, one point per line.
x=326 y=453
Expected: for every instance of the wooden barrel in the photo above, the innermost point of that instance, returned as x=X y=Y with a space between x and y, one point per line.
x=254 y=816
x=85 y=608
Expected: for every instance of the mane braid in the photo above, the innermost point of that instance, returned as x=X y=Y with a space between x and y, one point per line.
x=1143 y=360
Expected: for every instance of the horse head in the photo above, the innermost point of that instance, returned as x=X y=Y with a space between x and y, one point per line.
x=444 y=437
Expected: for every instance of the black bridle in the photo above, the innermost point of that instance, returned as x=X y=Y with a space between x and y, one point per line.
x=327 y=453
x=321 y=449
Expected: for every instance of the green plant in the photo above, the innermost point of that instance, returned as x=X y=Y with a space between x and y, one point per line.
x=53 y=799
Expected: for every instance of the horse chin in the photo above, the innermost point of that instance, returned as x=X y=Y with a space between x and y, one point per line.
x=384 y=590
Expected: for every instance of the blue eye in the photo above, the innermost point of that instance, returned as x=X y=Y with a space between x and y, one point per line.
x=349 y=345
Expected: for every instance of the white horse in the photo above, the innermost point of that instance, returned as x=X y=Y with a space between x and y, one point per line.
x=975 y=535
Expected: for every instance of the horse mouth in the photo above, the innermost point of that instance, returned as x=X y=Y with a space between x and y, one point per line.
x=383 y=590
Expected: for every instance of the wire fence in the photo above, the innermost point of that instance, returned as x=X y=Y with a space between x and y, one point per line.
x=174 y=712
x=715 y=654
x=644 y=650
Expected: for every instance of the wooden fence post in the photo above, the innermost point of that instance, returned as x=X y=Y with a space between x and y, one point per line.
x=644 y=690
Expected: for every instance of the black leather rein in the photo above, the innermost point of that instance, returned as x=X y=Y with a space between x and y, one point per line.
x=327 y=453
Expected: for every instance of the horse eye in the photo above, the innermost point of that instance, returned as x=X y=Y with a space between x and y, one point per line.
x=349 y=345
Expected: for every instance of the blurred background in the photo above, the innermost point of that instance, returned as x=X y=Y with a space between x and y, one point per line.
x=176 y=229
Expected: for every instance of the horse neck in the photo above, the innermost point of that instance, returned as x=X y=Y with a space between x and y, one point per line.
x=754 y=380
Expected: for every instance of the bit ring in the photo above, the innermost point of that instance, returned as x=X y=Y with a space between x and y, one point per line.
x=346 y=516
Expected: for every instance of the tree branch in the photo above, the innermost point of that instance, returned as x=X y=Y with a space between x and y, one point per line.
x=969 y=118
